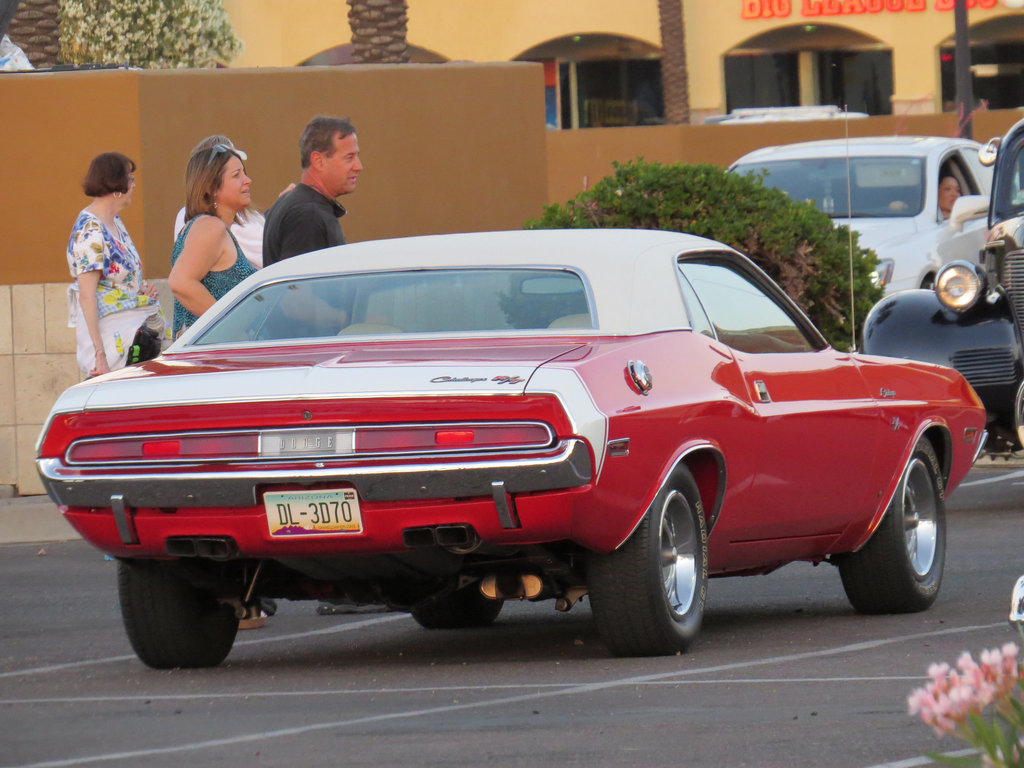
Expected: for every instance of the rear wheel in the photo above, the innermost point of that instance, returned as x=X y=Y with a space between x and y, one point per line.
x=648 y=596
x=169 y=622
x=460 y=609
x=900 y=569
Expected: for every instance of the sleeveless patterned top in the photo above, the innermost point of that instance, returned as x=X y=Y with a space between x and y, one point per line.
x=217 y=283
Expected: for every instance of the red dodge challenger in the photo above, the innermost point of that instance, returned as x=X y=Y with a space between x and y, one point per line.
x=440 y=424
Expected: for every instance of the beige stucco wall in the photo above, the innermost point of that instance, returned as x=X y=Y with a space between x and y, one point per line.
x=286 y=32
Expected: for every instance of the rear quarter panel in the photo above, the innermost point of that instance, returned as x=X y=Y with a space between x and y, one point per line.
x=697 y=403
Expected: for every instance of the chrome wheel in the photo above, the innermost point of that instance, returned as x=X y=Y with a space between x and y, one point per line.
x=648 y=595
x=679 y=549
x=899 y=570
x=920 y=517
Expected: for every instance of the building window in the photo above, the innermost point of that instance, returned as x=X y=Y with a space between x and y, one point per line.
x=810 y=65
x=599 y=80
x=611 y=93
x=861 y=81
x=997 y=71
x=762 y=80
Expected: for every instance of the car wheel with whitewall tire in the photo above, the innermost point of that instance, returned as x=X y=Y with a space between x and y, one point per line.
x=647 y=597
x=900 y=569
x=169 y=622
x=461 y=609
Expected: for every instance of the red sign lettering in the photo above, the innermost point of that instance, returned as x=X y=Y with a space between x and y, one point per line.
x=766 y=9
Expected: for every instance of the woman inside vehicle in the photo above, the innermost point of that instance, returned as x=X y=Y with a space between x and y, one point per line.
x=207 y=261
x=109 y=301
x=949 y=192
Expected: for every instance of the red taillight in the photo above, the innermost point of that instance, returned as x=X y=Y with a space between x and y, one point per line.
x=161 y=448
x=426 y=438
x=183 y=448
x=453 y=436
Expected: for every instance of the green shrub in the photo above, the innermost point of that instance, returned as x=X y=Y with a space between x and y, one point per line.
x=796 y=244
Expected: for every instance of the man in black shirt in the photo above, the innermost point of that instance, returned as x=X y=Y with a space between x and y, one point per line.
x=306 y=218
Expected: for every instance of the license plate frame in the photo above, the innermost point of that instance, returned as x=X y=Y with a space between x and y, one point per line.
x=317 y=513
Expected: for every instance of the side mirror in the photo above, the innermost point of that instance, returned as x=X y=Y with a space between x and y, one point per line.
x=967 y=208
x=987 y=154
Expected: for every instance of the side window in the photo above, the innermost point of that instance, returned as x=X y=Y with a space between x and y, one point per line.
x=981 y=173
x=698 y=318
x=954 y=166
x=743 y=316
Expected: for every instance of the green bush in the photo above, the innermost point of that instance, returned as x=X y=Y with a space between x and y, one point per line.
x=796 y=244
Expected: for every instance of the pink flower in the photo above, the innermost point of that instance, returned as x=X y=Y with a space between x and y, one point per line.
x=952 y=695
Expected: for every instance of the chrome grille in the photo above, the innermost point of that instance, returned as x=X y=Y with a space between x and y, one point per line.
x=985 y=367
x=1013 y=281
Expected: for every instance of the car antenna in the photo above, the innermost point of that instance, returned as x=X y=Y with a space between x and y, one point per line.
x=849 y=230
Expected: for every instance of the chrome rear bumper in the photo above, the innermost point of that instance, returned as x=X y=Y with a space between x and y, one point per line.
x=569 y=467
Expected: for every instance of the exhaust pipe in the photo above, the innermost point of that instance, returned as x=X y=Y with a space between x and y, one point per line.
x=210 y=547
x=511 y=586
x=457 y=537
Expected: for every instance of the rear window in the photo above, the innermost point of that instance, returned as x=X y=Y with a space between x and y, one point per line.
x=419 y=301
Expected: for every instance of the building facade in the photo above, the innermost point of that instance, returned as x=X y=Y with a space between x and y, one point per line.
x=602 y=57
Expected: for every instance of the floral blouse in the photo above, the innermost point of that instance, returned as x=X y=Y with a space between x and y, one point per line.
x=93 y=247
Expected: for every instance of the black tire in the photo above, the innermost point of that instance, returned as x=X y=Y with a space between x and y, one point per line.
x=900 y=569
x=169 y=622
x=461 y=609
x=648 y=596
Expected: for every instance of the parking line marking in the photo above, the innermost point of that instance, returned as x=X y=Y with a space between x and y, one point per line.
x=998 y=479
x=247 y=738
x=255 y=641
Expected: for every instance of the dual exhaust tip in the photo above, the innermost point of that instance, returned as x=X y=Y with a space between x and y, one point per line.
x=459 y=536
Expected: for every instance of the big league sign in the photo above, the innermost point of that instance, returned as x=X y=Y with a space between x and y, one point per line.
x=771 y=9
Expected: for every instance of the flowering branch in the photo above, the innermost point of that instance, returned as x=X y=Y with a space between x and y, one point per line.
x=955 y=700
x=147 y=33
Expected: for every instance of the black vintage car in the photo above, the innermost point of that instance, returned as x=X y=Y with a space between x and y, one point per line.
x=974 y=318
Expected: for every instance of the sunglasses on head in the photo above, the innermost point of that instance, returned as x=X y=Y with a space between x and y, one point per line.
x=220 y=149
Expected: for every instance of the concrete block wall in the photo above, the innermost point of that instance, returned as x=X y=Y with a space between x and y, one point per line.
x=37 y=363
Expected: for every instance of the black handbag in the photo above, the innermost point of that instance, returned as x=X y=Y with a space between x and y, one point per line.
x=145 y=346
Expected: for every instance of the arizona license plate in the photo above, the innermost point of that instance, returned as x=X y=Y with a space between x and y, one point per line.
x=312 y=513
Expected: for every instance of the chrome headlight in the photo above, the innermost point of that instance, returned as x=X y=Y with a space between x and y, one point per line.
x=959 y=285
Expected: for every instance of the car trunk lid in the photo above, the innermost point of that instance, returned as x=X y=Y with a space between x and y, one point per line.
x=369 y=369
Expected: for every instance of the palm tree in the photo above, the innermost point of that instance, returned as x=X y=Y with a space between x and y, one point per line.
x=378 y=31
x=35 y=28
x=675 y=82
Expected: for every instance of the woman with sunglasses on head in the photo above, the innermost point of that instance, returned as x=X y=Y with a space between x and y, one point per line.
x=109 y=302
x=207 y=261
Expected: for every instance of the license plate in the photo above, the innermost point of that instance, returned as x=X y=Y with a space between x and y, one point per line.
x=312 y=513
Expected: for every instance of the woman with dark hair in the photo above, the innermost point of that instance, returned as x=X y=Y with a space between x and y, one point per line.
x=207 y=261
x=109 y=301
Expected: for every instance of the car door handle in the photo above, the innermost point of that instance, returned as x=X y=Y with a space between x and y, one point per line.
x=762 y=391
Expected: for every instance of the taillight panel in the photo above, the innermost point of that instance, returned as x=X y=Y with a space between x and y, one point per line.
x=318 y=442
